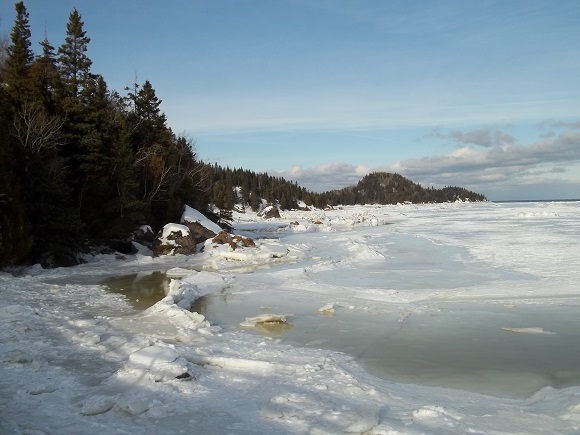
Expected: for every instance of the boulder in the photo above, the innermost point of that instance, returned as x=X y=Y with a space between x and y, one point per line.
x=144 y=235
x=123 y=246
x=269 y=212
x=174 y=239
x=199 y=232
x=233 y=240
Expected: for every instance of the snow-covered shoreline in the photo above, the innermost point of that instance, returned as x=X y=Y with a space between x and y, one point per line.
x=77 y=358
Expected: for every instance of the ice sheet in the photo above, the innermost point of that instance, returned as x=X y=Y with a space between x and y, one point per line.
x=66 y=345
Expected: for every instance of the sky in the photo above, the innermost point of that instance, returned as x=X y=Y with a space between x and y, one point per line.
x=483 y=95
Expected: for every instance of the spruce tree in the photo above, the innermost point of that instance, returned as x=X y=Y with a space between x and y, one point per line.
x=19 y=57
x=45 y=78
x=75 y=65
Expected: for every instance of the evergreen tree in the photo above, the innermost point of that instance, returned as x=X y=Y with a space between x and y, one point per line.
x=45 y=77
x=155 y=155
x=15 y=240
x=148 y=123
x=19 y=57
x=75 y=65
x=4 y=44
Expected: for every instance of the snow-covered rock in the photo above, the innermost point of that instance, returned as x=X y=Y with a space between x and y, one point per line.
x=269 y=212
x=191 y=215
x=174 y=239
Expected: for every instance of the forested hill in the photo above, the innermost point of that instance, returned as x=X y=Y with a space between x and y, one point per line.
x=387 y=188
x=248 y=189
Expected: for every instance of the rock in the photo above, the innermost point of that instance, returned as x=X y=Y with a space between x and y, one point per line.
x=234 y=241
x=174 y=239
x=123 y=246
x=198 y=232
x=144 y=235
x=270 y=212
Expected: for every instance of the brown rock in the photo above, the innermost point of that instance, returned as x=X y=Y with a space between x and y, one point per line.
x=198 y=232
x=176 y=242
x=234 y=241
x=270 y=212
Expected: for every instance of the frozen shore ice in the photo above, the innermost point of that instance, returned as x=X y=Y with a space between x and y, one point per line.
x=86 y=362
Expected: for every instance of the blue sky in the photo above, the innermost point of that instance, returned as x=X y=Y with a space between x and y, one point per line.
x=480 y=94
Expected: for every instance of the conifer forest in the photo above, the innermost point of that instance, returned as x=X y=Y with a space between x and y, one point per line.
x=82 y=165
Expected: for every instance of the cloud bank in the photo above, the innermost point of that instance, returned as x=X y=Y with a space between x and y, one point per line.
x=487 y=161
x=484 y=137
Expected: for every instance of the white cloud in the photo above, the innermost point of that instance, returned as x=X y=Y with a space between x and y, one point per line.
x=499 y=171
x=574 y=125
x=327 y=176
x=502 y=168
x=484 y=137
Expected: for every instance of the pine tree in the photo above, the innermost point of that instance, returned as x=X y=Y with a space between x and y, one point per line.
x=75 y=65
x=148 y=123
x=45 y=77
x=19 y=57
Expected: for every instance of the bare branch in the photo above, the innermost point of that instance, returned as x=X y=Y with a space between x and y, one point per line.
x=35 y=130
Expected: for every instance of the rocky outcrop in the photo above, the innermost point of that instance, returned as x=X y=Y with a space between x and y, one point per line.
x=184 y=238
x=198 y=232
x=174 y=239
x=233 y=240
x=144 y=235
x=270 y=212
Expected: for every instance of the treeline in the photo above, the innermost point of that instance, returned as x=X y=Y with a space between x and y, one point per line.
x=80 y=164
x=231 y=187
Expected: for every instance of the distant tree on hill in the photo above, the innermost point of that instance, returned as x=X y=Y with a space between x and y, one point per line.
x=387 y=188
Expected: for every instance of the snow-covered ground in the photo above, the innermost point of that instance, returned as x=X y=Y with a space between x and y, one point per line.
x=78 y=358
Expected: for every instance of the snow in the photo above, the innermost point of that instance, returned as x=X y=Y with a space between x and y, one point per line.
x=529 y=330
x=192 y=215
x=173 y=228
x=252 y=322
x=78 y=358
x=328 y=308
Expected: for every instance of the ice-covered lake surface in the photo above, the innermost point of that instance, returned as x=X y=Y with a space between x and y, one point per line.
x=448 y=318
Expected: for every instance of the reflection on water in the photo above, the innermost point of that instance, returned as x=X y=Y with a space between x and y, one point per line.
x=272 y=329
x=457 y=346
x=141 y=289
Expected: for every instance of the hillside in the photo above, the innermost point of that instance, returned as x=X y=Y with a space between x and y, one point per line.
x=388 y=188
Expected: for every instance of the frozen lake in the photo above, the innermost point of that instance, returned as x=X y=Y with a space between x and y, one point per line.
x=422 y=306
x=458 y=346
x=481 y=299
